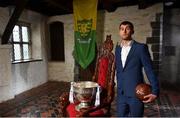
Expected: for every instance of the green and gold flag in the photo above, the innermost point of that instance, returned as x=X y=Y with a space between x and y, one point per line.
x=85 y=13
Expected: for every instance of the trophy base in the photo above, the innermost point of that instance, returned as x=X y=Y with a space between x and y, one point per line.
x=82 y=105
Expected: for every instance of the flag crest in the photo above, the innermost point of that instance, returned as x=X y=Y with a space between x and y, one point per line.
x=85 y=13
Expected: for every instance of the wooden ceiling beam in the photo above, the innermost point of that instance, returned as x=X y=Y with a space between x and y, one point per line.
x=60 y=5
x=142 y=4
x=146 y=3
x=20 y=5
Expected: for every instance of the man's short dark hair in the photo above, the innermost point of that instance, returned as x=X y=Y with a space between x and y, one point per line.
x=127 y=23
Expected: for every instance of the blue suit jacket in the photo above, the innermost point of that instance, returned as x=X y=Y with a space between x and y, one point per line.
x=132 y=73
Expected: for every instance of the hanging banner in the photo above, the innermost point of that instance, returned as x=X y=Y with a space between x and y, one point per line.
x=85 y=13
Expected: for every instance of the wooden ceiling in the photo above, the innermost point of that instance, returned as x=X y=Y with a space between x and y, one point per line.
x=60 y=7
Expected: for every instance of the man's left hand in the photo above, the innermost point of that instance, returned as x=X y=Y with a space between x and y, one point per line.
x=149 y=98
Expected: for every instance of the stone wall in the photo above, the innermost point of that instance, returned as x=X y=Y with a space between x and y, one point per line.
x=6 y=91
x=63 y=71
x=19 y=77
x=107 y=23
x=32 y=74
x=156 y=43
x=170 y=70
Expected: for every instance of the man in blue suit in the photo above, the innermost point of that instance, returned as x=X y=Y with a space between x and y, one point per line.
x=131 y=57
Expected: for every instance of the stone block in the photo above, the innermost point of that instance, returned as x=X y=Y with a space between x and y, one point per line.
x=155 y=25
x=155 y=48
x=153 y=40
x=170 y=50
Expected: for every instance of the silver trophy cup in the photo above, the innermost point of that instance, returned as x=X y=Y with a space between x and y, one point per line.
x=85 y=93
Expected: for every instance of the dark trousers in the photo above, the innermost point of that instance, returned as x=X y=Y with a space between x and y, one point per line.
x=129 y=106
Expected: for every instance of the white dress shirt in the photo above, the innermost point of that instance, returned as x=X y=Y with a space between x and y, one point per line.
x=125 y=51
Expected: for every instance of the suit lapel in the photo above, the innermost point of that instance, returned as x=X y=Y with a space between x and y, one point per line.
x=119 y=53
x=120 y=57
x=130 y=53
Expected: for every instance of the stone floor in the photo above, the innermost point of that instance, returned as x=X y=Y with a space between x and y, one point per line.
x=43 y=102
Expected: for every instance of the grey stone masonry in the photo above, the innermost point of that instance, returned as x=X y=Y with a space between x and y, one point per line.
x=156 y=32
x=152 y=40
x=156 y=56
x=170 y=50
x=155 y=25
x=155 y=47
x=155 y=43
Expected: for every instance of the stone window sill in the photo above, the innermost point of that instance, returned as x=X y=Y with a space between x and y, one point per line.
x=26 y=61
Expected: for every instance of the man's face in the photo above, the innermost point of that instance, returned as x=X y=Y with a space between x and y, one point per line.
x=125 y=32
